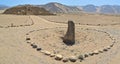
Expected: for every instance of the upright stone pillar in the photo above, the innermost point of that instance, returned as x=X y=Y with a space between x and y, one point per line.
x=69 y=38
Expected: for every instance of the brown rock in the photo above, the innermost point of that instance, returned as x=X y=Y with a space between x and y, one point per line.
x=58 y=57
x=91 y=53
x=47 y=53
x=96 y=52
x=101 y=50
x=73 y=58
x=38 y=49
x=86 y=55
x=65 y=59
x=27 y=38
x=52 y=55
x=81 y=57
x=69 y=38
x=105 y=49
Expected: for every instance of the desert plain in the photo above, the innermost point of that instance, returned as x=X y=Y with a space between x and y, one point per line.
x=93 y=32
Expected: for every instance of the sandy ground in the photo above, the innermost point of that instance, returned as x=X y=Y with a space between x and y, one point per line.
x=89 y=40
x=19 y=20
x=15 y=50
x=1 y=11
x=92 y=19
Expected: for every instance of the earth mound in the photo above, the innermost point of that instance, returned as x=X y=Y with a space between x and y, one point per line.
x=27 y=10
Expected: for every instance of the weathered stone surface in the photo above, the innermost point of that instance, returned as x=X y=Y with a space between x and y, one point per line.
x=69 y=38
x=108 y=47
x=52 y=55
x=27 y=38
x=86 y=55
x=28 y=42
x=81 y=57
x=101 y=50
x=47 y=53
x=65 y=59
x=111 y=45
x=38 y=49
x=96 y=52
x=73 y=58
x=91 y=53
x=105 y=49
x=34 y=46
x=58 y=57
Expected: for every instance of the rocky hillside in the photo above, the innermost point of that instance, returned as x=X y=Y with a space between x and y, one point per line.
x=60 y=8
x=27 y=10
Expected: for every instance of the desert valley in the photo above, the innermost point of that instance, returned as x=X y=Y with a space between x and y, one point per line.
x=28 y=36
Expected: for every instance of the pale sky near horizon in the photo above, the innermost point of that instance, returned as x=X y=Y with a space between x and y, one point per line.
x=66 y=2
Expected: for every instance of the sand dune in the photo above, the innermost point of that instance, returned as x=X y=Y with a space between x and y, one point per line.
x=15 y=50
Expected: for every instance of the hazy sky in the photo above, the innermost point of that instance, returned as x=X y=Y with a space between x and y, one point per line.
x=67 y=2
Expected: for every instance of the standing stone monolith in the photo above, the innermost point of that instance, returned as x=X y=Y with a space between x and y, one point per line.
x=69 y=38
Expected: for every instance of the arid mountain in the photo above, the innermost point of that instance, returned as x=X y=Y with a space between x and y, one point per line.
x=104 y=9
x=55 y=7
x=60 y=8
x=108 y=9
x=89 y=8
x=27 y=10
x=3 y=7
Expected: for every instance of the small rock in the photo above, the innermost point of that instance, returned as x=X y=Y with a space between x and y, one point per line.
x=58 y=57
x=52 y=55
x=27 y=38
x=28 y=42
x=42 y=51
x=73 y=58
x=105 y=49
x=81 y=57
x=111 y=45
x=96 y=52
x=34 y=46
x=65 y=59
x=27 y=34
x=91 y=53
x=47 y=53
x=38 y=49
x=101 y=50
x=86 y=55
x=108 y=47
x=21 y=25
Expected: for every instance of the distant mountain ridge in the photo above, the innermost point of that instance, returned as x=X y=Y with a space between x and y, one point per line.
x=104 y=9
x=61 y=8
x=3 y=7
x=55 y=7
